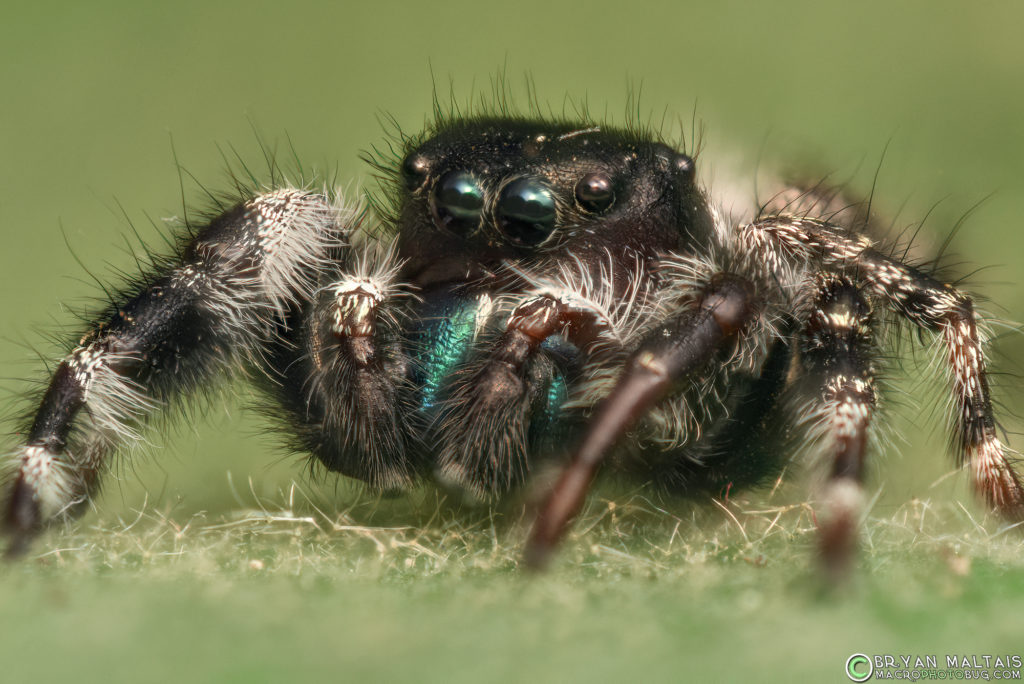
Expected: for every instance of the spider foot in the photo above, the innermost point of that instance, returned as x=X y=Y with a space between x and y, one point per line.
x=838 y=521
x=23 y=520
x=559 y=508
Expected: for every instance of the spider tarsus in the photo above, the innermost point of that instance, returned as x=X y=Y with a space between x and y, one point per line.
x=838 y=522
x=838 y=547
x=22 y=520
x=537 y=557
x=561 y=506
x=1005 y=495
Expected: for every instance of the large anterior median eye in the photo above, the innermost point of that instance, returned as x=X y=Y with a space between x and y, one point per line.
x=458 y=202
x=526 y=211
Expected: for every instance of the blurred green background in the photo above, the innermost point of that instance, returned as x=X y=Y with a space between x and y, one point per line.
x=93 y=94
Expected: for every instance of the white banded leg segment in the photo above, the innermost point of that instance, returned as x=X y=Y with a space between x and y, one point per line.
x=50 y=478
x=115 y=403
x=356 y=301
x=941 y=307
x=991 y=468
x=837 y=352
x=169 y=333
x=297 y=234
x=792 y=244
x=88 y=382
x=256 y=261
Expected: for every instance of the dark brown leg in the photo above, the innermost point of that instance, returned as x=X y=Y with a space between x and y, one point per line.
x=669 y=354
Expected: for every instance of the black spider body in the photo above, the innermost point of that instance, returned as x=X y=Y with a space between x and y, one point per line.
x=484 y=429
x=532 y=292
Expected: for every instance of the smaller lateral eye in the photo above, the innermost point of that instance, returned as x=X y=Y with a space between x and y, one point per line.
x=594 y=192
x=685 y=167
x=414 y=171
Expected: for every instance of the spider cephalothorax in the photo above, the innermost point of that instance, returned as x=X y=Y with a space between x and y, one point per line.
x=529 y=292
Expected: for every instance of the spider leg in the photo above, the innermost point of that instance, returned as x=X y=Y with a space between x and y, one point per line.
x=344 y=386
x=483 y=432
x=504 y=400
x=792 y=243
x=836 y=352
x=209 y=309
x=668 y=355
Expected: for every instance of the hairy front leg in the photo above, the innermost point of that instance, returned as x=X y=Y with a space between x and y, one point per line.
x=210 y=308
x=344 y=387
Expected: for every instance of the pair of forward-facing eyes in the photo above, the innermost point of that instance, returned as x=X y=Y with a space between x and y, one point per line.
x=525 y=210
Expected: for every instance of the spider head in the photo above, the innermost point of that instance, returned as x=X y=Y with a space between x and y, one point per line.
x=482 y=192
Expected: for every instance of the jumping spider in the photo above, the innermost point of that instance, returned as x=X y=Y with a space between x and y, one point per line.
x=528 y=291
